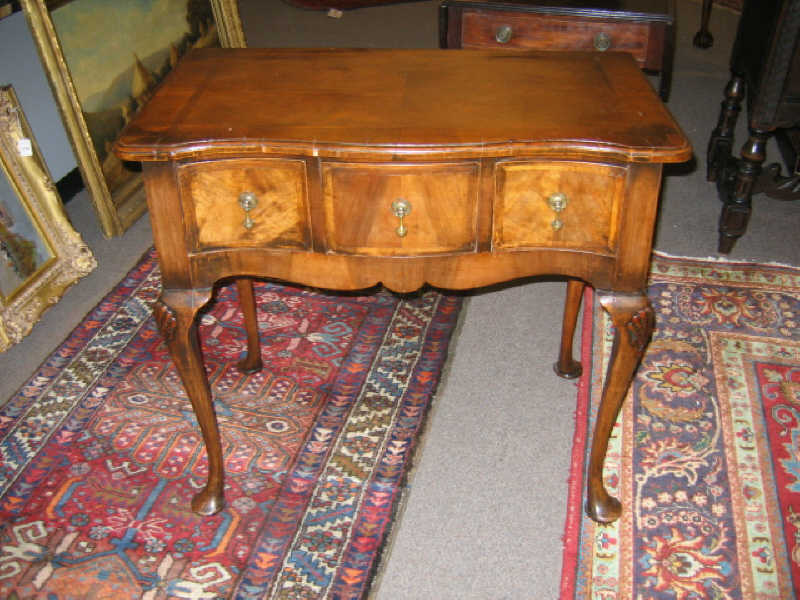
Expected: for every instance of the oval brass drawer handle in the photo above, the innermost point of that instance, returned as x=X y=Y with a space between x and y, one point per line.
x=248 y=201
x=602 y=41
x=557 y=202
x=504 y=34
x=400 y=209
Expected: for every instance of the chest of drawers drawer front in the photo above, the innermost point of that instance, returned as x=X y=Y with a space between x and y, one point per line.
x=557 y=204
x=246 y=202
x=497 y=29
x=400 y=209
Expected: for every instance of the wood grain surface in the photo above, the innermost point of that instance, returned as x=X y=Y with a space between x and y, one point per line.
x=358 y=207
x=523 y=217
x=415 y=104
x=211 y=190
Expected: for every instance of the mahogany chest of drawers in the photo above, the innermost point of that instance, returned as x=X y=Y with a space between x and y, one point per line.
x=643 y=28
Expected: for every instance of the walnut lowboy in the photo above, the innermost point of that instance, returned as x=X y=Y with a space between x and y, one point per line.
x=343 y=169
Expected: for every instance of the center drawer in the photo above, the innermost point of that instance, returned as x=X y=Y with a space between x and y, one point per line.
x=400 y=209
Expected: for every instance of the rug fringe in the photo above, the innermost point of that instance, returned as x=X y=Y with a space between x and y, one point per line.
x=574 y=517
x=721 y=259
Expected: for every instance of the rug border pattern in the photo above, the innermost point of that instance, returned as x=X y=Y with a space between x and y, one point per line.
x=750 y=465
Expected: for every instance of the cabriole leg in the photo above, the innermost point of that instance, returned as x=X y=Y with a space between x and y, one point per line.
x=175 y=313
x=567 y=367
x=247 y=302
x=633 y=321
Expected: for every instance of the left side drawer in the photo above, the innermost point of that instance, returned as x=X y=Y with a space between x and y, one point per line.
x=276 y=216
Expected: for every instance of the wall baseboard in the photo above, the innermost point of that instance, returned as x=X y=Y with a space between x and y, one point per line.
x=69 y=185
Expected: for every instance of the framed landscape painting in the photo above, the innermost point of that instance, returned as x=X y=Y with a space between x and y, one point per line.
x=104 y=60
x=41 y=255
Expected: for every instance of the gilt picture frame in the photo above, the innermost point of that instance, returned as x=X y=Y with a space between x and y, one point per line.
x=100 y=79
x=41 y=254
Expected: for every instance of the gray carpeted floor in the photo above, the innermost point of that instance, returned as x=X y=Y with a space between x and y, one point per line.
x=485 y=514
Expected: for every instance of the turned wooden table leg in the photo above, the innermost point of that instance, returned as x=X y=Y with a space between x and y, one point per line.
x=175 y=313
x=567 y=367
x=247 y=301
x=720 y=144
x=737 y=204
x=633 y=321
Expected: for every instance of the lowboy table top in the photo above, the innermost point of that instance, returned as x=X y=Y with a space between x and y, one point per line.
x=345 y=102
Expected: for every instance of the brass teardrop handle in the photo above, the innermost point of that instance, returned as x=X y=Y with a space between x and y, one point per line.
x=400 y=209
x=503 y=34
x=248 y=201
x=557 y=202
x=602 y=42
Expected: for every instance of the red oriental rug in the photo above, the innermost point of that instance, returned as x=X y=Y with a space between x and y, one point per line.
x=100 y=451
x=706 y=455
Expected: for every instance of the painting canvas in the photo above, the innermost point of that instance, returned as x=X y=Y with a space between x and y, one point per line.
x=149 y=36
x=104 y=60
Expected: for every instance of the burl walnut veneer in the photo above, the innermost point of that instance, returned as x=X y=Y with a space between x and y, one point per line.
x=343 y=169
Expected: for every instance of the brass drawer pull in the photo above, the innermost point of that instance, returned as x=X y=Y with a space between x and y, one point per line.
x=248 y=201
x=602 y=42
x=400 y=209
x=503 y=34
x=557 y=202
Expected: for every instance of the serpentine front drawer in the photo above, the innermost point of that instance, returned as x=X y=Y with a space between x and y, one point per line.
x=258 y=202
x=400 y=209
x=557 y=204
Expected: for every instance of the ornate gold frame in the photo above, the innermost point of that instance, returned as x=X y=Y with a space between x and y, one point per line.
x=70 y=259
x=114 y=217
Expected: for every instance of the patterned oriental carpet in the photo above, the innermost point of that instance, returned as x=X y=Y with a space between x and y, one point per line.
x=100 y=453
x=706 y=456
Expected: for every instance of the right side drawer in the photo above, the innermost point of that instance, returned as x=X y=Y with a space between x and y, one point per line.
x=557 y=204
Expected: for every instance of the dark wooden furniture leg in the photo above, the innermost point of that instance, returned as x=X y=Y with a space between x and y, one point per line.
x=567 y=367
x=251 y=363
x=667 y=64
x=773 y=182
x=737 y=203
x=720 y=145
x=633 y=321
x=703 y=38
x=175 y=312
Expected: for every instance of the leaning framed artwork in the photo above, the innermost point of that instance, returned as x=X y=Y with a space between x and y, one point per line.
x=41 y=255
x=103 y=60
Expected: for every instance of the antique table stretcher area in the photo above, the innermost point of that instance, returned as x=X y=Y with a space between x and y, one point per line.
x=343 y=169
